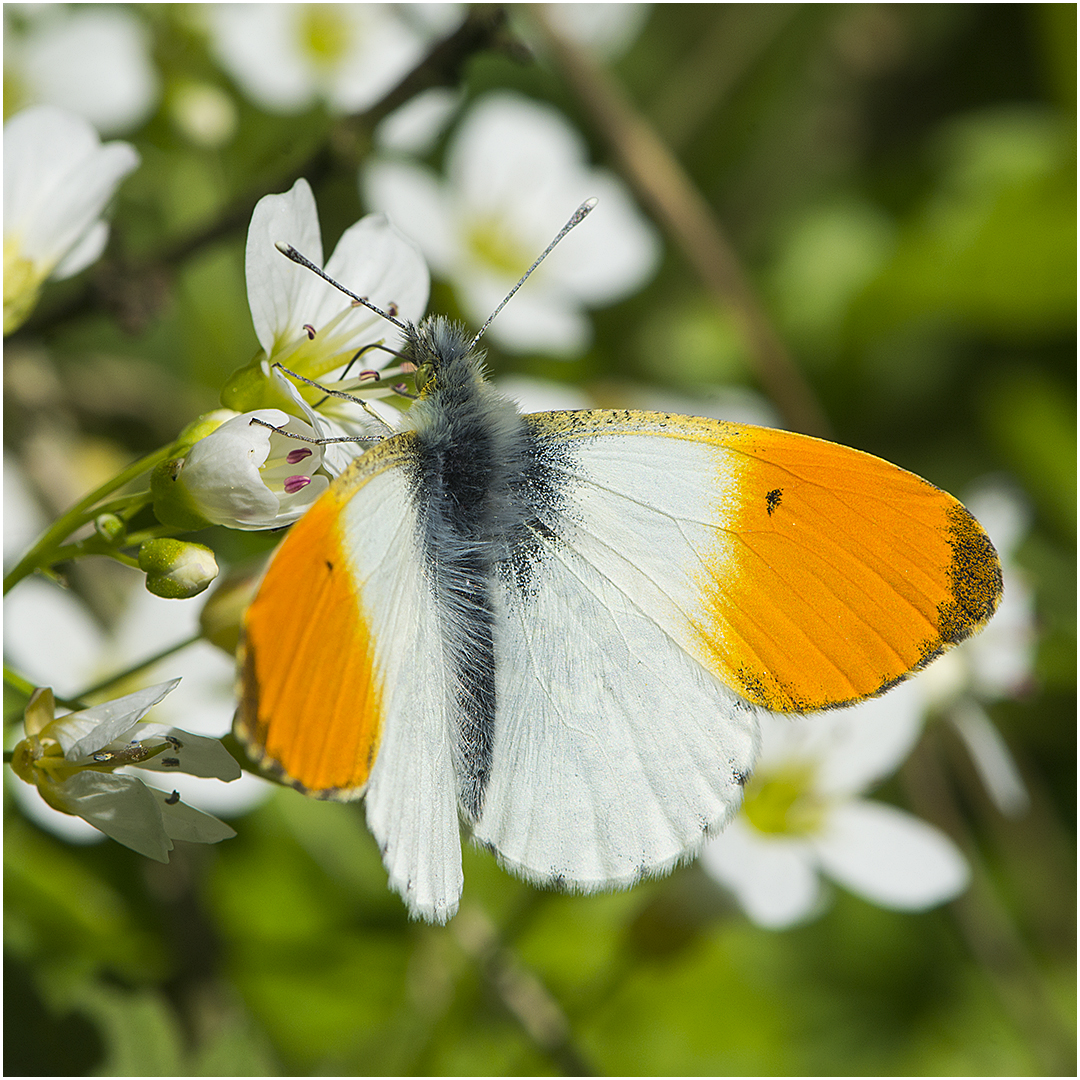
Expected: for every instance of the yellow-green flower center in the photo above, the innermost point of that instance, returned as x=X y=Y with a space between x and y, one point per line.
x=22 y=285
x=324 y=34
x=783 y=802
x=494 y=246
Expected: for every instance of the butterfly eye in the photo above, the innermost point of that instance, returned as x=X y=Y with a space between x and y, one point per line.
x=425 y=378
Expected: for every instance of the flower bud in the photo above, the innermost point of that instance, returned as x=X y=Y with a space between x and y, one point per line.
x=177 y=569
x=110 y=527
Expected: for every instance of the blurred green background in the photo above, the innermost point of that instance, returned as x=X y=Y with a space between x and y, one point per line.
x=899 y=185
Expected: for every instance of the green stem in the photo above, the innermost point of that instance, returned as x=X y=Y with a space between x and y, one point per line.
x=42 y=553
x=97 y=688
x=24 y=686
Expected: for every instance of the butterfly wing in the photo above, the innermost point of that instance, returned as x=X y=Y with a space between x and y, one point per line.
x=344 y=690
x=692 y=570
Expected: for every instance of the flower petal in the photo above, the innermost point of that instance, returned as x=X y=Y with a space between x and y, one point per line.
x=992 y=758
x=57 y=179
x=871 y=740
x=120 y=806
x=773 y=878
x=197 y=755
x=377 y=261
x=183 y=822
x=86 y=252
x=279 y=291
x=413 y=198
x=383 y=47
x=890 y=857
x=535 y=319
x=96 y=61
x=83 y=733
x=257 y=44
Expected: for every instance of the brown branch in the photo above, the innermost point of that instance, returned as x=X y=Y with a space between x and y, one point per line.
x=519 y=990
x=672 y=198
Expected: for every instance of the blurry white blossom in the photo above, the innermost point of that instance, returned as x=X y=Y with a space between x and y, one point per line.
x=73 y=762
x=607 y=30
x=803 y=816
x=285 y=57
x=515 y=172
x=58 y=178
x=91 y=59
x=414 y=127
x=203 y=113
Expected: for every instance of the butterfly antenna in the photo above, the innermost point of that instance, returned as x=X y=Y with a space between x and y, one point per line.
x=578 y=217
x=291 y=253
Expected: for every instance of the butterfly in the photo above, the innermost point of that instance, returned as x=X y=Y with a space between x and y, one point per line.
x=560 y=629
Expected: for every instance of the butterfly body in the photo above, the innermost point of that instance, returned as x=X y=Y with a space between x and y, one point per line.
x=560 y=627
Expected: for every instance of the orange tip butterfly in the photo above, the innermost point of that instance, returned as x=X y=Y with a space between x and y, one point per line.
x=561 y=628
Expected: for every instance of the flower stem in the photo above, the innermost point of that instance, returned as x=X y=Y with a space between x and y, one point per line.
x=24 y=686
x=142 y=665
x=45 y=551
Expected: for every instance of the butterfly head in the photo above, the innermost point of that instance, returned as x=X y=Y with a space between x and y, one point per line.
x=444 y=357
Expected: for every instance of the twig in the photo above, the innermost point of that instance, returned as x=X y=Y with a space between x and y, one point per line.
x=521 y=992
x=670 y=194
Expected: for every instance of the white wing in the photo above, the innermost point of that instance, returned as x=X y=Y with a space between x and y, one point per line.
x=411 y=795
x=616 y=752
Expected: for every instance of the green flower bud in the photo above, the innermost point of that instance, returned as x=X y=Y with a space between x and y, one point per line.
x=177 y=569
x=110 y=527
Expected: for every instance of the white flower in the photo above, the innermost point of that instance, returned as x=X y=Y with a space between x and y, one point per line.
x=91 y=60
x=515 y=171
x=605 y=29
x=316 y=331
x=203 y=113
x=802 y=816
x=287 y=56
x=247 y=476
x=58 y=179
x=72 y=760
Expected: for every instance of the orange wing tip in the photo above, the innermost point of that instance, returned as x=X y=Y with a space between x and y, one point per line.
x=311 y=702
x=974 y=592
